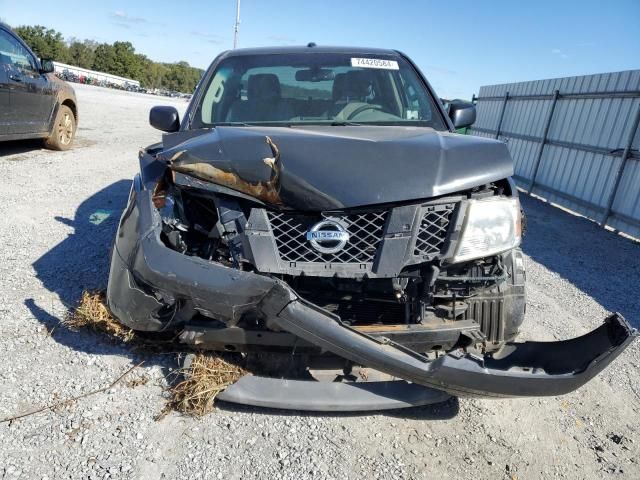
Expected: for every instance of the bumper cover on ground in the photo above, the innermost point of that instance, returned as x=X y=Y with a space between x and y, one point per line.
x=523 y=369
x=330 y=396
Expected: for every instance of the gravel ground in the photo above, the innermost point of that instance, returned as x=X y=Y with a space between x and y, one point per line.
x=59 y=212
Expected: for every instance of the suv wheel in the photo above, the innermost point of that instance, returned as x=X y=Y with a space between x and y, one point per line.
x=64 y=130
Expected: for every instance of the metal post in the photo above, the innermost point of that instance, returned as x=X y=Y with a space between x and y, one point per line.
x=236 y=25
x=504 y=106
x=474 y=99
x=623 y=162
x=547 y=125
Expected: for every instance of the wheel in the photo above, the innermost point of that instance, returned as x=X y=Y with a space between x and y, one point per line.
x=64 y=130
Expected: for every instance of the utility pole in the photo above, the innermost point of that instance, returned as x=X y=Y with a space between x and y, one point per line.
x=237 y=24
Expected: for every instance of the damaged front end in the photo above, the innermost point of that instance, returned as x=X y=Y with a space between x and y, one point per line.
x=226 y=259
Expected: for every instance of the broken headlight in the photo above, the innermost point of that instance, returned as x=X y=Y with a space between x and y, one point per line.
x=491 y=226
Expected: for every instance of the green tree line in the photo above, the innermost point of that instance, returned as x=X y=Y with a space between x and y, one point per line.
x=118 y=58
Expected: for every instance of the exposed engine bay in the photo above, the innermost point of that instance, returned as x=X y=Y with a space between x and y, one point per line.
x=467 y=303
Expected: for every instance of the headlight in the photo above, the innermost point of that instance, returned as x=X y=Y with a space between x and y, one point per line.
x=491 y=226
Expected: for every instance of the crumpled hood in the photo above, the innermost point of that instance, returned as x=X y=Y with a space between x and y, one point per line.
x=324 y=167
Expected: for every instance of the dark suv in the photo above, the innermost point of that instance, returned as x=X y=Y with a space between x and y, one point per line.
x=315 y=206
x=34 y=103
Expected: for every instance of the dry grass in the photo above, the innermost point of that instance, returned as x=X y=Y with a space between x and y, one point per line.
x=92 y=313
x=200 y=382
x=204 y=379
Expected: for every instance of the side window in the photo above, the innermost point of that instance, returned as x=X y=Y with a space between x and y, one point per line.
x=13 y=54
x=417 y=107
x=214 y=95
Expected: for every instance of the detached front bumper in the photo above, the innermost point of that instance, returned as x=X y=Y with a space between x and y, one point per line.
x=146 y=277
x=523 y=369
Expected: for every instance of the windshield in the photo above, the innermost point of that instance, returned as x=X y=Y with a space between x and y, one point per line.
x=316 y=88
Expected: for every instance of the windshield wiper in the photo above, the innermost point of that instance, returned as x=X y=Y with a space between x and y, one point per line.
x=336 y=123
x=344 y=123
x=232 y=124
x=253 y=124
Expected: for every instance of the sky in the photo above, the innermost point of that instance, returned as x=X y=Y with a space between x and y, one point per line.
x=459 y=45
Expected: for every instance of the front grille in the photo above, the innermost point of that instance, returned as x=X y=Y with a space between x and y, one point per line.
x=432 y=231
x=365 y=234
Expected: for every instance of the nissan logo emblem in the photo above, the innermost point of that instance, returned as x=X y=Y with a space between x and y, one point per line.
x=328 y=236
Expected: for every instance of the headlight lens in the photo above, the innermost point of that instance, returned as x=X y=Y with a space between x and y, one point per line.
x=491 y=226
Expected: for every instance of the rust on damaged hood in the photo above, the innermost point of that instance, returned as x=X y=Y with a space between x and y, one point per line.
x=266 y=191
x=328 y=167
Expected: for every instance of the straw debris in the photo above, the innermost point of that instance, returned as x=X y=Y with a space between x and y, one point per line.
x=206 y=376
x=195 y=386
x=92 y=313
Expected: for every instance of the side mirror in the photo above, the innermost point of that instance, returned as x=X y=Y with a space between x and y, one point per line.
x=165 y=118
x=46 y=65
x=462 y=114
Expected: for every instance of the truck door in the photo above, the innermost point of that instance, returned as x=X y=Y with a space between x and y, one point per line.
x=5 y=107
x=32 y=95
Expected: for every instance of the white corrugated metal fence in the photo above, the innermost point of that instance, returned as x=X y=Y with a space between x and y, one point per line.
x=574 y=141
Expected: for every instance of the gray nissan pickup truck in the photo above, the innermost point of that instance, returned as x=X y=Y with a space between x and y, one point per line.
x=314 y=212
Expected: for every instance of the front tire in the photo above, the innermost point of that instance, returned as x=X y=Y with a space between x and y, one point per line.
x=64 y=130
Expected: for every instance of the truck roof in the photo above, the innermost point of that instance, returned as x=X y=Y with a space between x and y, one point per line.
x=311 y=48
